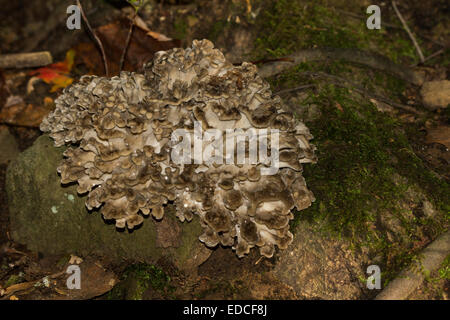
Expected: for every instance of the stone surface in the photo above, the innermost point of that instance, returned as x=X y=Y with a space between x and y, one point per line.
x=436 y=94
x=8 y=146
x=319 y=268
x=53 y=219
x=408 y=280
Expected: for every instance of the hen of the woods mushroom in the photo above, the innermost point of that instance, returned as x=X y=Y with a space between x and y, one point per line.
x=120 y=133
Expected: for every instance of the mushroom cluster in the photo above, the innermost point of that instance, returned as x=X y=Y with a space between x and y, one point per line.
x=119 y=133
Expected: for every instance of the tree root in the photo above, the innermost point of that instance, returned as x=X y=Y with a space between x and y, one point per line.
x=370 y=59
x=345 y=83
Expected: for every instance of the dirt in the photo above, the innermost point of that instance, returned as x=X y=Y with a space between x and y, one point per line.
x=232 y=27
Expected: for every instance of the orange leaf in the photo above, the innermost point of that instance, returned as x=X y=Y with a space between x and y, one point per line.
x=61 y=81
x=57 y=73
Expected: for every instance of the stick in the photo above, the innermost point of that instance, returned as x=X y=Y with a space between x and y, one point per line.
x=411 y=36
x=409 y=279
x=26 y=60
x=431 y=56
x=306 y=86
x=372 y=60
x=99 y=43
x=339 y=81
x=127 y=43
x=387 y=25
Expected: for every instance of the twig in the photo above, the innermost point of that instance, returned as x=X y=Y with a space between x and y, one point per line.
x=340 y=82
x=25 y=60
x=388 y=25
x=431 y=56
x=306 y=86
x=411 y=36
x=366 y=58
x=429 y=259
x=99 y=43
x=127 y=43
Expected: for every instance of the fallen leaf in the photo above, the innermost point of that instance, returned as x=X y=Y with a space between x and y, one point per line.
x=158 y=36
x=75 y=260
x=12 y=100
x=26 y=115
x=57 y=73
x=143 y=45
x=139 y=23
x=95 y=281
x=48 y=102
x=439 y=134
x=61 y=292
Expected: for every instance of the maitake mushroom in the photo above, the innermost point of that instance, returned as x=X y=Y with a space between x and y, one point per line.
x=119 y=130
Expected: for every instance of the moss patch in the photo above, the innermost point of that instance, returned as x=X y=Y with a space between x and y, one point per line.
x=366 y=172
x=368 y=182
x=139 y=278
x=289 y=25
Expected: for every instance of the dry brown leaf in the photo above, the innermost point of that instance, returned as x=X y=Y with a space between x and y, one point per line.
x=439 y=134
x=95 y=281
x=61 y=292
x=113 y=36
x=22 y=114
x=139 y=23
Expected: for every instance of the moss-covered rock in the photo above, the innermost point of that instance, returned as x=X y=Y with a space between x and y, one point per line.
x=51 y=218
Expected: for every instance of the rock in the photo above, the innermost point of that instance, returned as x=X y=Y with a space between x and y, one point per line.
x=319 y=268
x=8 y=146
x=53 y=219
x=430 y=259
x=436 y=94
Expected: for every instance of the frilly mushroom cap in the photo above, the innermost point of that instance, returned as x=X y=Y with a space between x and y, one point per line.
x=119 y=135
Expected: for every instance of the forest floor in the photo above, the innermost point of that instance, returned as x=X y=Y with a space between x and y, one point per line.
x=382 y=179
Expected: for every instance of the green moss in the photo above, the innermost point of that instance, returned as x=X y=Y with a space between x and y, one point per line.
x=289 y=25
x=444 y=271
x=181 y=27
x=366 y=166
x=137 y=279
x=217 y=28
x=14 y=279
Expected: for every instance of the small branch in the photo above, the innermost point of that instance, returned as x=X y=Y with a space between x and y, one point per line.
x=340 y=82
x=127 y=43
x=431 y=56
x=99 y=43
x=366 y=58
x=306 y=86
x=411 y=36
x=429 y=259
x=388 y=25
x=25 y=60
